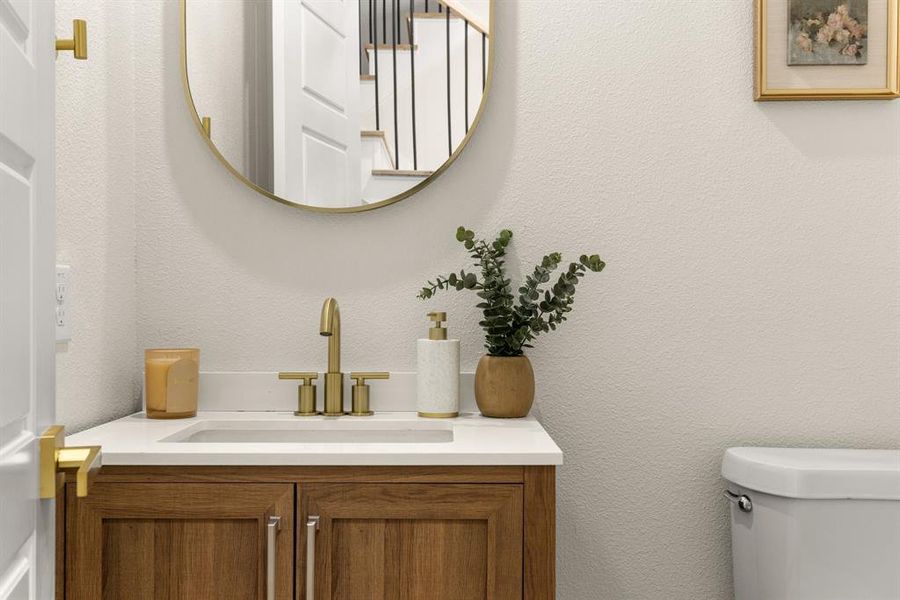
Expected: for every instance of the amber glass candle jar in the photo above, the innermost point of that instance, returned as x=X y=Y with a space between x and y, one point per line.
x=171 y=377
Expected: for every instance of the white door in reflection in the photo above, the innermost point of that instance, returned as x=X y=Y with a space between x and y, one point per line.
x=316 y=117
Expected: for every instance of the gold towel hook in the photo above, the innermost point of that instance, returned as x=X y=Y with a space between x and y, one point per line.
x=78 y=44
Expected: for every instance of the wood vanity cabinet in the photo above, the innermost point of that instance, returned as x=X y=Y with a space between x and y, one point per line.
x=434 y=541
x=155 y=541
x=384 y=533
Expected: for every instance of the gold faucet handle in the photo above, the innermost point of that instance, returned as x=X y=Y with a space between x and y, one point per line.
x=361 y=376
x=359 y=396
x=306 y=391
x=307 y=377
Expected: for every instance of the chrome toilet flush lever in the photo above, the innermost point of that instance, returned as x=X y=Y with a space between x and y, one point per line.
x=743 y=501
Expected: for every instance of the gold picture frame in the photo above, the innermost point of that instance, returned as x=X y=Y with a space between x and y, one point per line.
x=766 y=89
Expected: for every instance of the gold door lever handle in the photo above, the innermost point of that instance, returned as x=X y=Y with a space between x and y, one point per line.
x=56 y=460
x=78 y=43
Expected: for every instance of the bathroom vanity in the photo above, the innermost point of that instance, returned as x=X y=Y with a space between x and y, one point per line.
x=390 y=506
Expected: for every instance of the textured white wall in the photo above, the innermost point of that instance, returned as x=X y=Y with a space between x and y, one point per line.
x=752 y=294
x=97 y=372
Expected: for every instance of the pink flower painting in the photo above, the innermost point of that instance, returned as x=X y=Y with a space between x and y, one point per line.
x=828 y=32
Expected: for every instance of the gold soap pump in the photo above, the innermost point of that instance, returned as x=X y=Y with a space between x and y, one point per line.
x=437 y=373
x=437 y=332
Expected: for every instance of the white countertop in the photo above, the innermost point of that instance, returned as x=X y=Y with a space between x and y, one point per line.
x=476 y=440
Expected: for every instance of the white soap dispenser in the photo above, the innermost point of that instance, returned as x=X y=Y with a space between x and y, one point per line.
x=437 y=376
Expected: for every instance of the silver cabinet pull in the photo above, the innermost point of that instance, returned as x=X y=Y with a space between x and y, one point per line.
x=311 y=526
x=272 y=528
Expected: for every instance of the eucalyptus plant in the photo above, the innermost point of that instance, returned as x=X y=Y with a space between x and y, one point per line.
x=512 y=321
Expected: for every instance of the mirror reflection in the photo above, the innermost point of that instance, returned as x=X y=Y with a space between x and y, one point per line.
x=337 y=104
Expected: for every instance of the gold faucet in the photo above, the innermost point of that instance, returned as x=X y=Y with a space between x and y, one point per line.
x=330 y=326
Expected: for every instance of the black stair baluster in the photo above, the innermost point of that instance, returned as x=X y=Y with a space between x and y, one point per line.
x=483 y=70
x=394 y=45
x=383 y=22
x=375 y=53
x=412 y=76
x=466 y=95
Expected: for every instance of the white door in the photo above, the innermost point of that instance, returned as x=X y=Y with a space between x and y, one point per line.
x=27 y=273
x=315 y=87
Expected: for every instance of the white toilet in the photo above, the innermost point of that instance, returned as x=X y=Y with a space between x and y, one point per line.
x=814 y=524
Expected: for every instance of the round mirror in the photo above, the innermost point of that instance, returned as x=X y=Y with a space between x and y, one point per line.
x=337 y=105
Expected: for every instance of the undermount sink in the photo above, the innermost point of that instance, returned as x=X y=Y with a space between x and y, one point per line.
x=313 y=432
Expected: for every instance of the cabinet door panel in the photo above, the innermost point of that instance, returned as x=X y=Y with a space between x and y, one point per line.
x=360 y=543
x=446 y=558
x=411 y=542
x=177 y=541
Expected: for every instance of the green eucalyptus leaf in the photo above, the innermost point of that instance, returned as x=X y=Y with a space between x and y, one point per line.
x=513 y=316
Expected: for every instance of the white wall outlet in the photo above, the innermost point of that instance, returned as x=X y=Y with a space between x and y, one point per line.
x=63 y=303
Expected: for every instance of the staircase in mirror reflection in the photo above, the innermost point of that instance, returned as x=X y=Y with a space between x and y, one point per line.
x=423 y=69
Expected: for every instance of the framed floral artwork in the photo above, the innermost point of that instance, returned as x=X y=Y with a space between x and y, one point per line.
x=827 y=49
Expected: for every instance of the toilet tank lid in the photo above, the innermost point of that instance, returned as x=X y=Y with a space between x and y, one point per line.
x=815 y=473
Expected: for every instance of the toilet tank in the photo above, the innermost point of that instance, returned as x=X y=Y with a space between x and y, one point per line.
x=814 y=524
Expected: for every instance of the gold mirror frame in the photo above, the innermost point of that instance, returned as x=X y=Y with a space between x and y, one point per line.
x=201 y=128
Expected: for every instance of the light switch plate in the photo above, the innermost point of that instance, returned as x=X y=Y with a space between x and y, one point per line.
x=63 y=303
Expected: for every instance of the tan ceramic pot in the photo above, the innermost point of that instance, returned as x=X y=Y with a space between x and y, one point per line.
x=504 y=386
